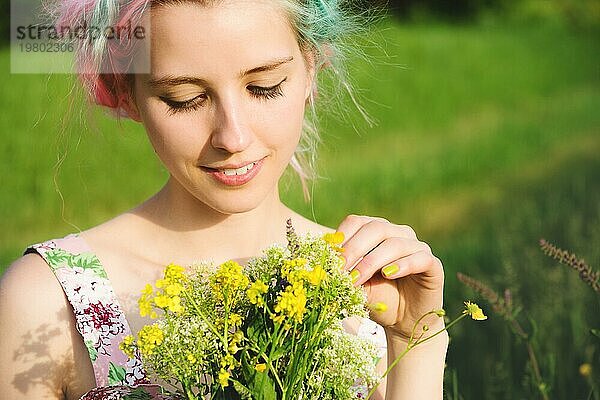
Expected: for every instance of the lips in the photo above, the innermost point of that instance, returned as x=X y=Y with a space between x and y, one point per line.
x=235 y=175
x=231 y=165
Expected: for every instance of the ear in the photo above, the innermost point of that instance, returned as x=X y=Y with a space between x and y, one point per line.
x=131 y=109
x=126 y=100
x=127 y=103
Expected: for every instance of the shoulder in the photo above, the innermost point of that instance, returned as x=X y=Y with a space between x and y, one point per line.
x=33 y=340
x=29 y=284
x=37 y=331
x=304 y=225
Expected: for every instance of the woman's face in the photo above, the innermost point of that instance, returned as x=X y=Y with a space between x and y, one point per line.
x=224 y=103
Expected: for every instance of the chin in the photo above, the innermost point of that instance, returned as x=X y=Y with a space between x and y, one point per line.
x=234 y=202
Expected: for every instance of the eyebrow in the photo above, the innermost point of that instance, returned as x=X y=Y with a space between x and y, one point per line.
x=271 y=65
x=170 y=80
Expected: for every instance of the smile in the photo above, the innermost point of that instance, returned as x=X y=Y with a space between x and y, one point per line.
x=235 y=176
x=238 y=171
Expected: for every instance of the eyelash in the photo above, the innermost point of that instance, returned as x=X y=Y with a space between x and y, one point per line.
x=259 y=92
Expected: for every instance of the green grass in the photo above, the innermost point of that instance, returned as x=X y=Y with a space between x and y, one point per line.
x=488 y=139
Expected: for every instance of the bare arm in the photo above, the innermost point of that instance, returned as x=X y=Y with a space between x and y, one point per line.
x=420 y=374
x=36 y=334
x=400 y=272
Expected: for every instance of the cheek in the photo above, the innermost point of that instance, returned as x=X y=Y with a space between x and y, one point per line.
x=282 y=123
x=174 y=136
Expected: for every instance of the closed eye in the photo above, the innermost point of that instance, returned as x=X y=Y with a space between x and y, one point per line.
x=266 y=93
x=186 y=105
x=193 y=104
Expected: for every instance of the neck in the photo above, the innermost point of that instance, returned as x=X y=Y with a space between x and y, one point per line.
x=181 y=221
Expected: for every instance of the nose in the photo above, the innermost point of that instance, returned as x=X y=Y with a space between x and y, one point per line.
x=232 y=132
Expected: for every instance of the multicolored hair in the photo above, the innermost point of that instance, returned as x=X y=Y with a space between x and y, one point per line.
x=104 y=66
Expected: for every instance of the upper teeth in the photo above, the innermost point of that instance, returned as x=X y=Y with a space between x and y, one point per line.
x=238 y=171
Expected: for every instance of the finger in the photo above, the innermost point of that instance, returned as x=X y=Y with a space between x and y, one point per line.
x=352 y=223
x=422 y=262
x=386 y=253
x=369 y=236
x=349 y=226
x=365 y=239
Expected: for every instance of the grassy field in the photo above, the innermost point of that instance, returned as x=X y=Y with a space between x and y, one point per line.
x=488 y=139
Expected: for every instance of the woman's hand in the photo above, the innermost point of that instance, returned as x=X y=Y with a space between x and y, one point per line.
x=396 y=269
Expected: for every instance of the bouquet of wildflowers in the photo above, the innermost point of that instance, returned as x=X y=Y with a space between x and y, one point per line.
x=269 y=330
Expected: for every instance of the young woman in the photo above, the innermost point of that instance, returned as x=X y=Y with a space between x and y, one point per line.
x=224 y=107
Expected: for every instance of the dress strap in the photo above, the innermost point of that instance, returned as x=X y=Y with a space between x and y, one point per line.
x=373 y=331
x=99 y=317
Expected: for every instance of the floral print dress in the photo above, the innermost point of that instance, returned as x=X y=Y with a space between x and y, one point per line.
x=101 y=322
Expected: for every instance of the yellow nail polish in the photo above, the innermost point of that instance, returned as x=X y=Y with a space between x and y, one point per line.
x=379 y=307
x=390 y=270
x=354 y=275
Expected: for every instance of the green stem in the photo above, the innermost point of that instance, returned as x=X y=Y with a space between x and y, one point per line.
x=442 y=330
x=519 y=331
x=186 y=385
x=273 y=370
x=416 y=324
x=226 y=323
x=199 y=311
x=411 y=344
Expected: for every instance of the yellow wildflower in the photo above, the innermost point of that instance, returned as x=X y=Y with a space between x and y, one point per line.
x=175 y=304
x=224 y=378
x=171 y=303
x=260 y=367
x=147 y=290
x=228 y=361
x=317 y=275
x=175 y=273
x=255 y=291
x=474 y=311
x=128 y=340
x=233 y=348
x=294 y=263
x=293 y=270
x=238 y=336
x=174 y=289
x=191 y=358
x=235 y=319
x=162 y=301
x=585 y=370
x=334 y=239
x=229 y=277
x=145 y=306
x=298 y=276
x=292 y=302
x=127 y=346
x=149 y=337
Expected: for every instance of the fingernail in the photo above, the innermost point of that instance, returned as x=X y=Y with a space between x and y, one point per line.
x=379 y=307
x=390 y=270
x=354 y=275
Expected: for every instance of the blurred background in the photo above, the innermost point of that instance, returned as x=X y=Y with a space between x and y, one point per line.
x=487 y=139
